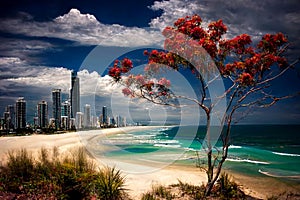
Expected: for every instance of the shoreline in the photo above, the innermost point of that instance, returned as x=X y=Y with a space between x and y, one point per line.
x=147 y=175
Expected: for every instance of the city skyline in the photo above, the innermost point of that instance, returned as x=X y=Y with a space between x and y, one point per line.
x=39 y=50
x=15 y=117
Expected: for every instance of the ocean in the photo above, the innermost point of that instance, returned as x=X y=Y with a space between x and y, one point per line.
x=255 y=150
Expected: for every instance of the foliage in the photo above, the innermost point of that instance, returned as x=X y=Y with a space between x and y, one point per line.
x=227 y=189
x=248 y=70
x=158 y=192
x=196 y=192
x=110 y=184
x=49 y=177
x=224 y=189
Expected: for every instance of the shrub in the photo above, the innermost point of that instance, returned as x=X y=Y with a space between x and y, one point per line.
x=48 y=177
x=110 y=184
x=158 y=192
x=227 y=189
x=196 y=192
x=148 y=196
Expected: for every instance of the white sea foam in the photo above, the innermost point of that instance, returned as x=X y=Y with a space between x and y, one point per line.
x=168 y=145
x=235 y=147
x=167 y=141
x=278 y=176
x=248 y=161
x=285 y=154
x=189 y=149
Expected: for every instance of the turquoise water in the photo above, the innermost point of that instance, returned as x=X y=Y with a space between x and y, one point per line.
x=272 y=150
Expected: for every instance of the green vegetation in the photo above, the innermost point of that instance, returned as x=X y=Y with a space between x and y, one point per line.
x=224 y=189
x=227 y=189
x=158 y=192
x=52 y=177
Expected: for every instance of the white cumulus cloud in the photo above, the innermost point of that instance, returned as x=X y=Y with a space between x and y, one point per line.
x=84 y=29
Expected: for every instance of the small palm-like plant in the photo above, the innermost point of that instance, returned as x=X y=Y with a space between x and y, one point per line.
x=110 y=184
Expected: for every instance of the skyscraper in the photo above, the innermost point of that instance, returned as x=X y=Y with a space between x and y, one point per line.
x=66 y=114
x=42 y=112
x=87 y=116
x=12 y=117
x=56 y=99
x=79 y=120
x=104 y=115
x=20 y=113
x=74 y=94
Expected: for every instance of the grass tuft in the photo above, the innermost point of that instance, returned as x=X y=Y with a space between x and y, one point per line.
x=52 y=176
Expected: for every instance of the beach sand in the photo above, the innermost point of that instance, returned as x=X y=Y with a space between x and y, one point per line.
x=139 y=177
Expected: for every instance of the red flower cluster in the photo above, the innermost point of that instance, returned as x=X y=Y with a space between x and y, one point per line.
x=127 y=92
x=120 y=67
x=187 y=35
x=238 y=45
x=191 y=26
x=246 y=79
x=165 y=58
x=216 y=30
x=270 y=43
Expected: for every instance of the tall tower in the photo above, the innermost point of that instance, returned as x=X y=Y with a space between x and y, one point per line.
x=66 y=114
x=42 y=111
x=20 y=113
x=74 y=94
x=87 y=115
x=12 y=117
x=56 y=99
x=104 y=115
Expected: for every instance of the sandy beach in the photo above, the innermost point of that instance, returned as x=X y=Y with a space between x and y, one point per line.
x=139 y=177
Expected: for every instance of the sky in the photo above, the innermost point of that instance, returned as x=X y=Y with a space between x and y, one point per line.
x=42 y=41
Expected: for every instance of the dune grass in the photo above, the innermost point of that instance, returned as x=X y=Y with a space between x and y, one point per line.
x=225 y=188
x=52 y=176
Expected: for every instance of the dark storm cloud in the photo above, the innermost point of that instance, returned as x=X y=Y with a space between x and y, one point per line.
x=257 y=17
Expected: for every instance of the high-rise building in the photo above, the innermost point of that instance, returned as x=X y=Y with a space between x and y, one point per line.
x=79 y=120
x=12 y=117
x=74 y=94
x=66 y=114
x=56 y=99
x=42 y=114
x=6 y=120
x=20 y=113
x=87 y=116
x=104 y=116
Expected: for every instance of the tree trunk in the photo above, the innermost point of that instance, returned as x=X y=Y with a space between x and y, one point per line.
x=211 y=180
x=210 y=166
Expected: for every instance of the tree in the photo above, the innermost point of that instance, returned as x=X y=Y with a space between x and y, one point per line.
x=246 y=69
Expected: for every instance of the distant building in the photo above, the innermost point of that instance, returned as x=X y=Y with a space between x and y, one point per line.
x=94 y=121
x=12 y=116
x=66 y=114
x=6 y=121
x=72 y=122
x=56 y=99
x=108 y=122
x=104 y=116
x=124 y=123
x=79 y=120
x=35 y=122
x=74 y=94
x=120 y=121
x=87 y=116
x=20 y=113
x=65 y=122
x=42 y=114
